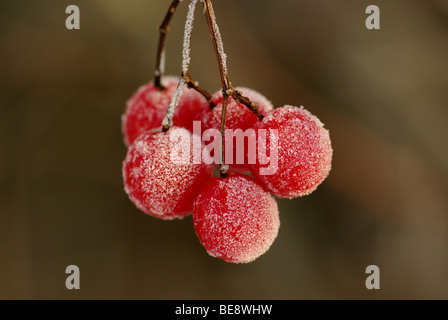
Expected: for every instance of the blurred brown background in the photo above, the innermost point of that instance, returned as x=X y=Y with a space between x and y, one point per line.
x=382 y=94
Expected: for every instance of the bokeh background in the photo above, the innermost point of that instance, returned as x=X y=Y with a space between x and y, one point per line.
x=382 y=94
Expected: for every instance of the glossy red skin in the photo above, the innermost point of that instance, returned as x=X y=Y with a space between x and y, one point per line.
x=304 y=152
x=147 y=107
x=235 y=218
x=155 y=184
x=238 y=116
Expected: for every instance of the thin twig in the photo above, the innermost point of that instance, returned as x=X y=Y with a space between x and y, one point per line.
x=167 y=122
x=186 y=49
x=227 y=89
x=191 y=84
x=222 y=62
x=217 y=44
x=160 y=58
x=223 y=168
x=252 y=106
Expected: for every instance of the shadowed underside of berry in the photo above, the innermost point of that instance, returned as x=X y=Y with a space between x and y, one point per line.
x=155 y=183
x=147 y=107
x=235 y=218
x=304 y=152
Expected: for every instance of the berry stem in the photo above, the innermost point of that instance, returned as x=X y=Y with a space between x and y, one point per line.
x=217 y=44
x=252 y=106
x=223 y=168
x=167 y=122
x=222 y=62
x=191 y=84
x=225 y=82
x=160 y=57
x=227 y=89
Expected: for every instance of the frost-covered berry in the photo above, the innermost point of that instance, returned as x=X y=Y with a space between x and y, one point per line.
x=235 y=218
x=147 y=107
x=304 y=152
x=157 y=179
x=238 y=116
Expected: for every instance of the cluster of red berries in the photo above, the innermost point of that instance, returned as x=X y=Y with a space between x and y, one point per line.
x=235 y=216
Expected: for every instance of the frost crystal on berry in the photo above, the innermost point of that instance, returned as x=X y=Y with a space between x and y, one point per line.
x=235 y=219
x=155 y=183
x=147 y=107
x=304 y=152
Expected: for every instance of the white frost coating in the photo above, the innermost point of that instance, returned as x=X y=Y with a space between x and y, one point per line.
x=157 y=185
x=168 y=120
x=304 y=152
x=236 y=219
x=187 y=36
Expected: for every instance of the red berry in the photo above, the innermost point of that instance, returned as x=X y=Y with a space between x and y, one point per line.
x=304 y=152
x=235 y=218
x=238 y=116
x=147 y=107
x=157 y=184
